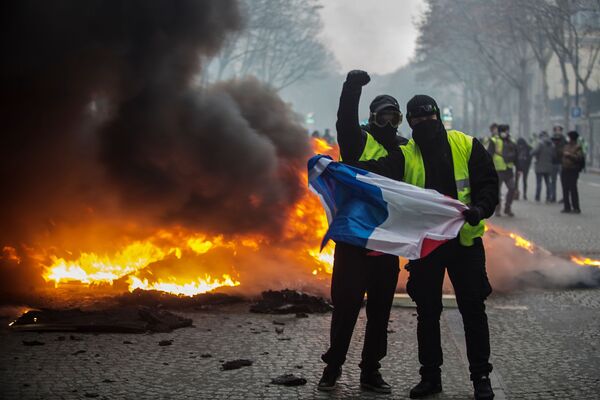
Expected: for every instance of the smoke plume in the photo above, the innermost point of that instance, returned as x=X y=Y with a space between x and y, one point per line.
x=101 y=119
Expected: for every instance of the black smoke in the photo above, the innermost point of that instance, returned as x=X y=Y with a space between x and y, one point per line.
x=101 y=115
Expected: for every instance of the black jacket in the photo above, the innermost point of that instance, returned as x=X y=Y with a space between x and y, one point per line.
x=351 y=135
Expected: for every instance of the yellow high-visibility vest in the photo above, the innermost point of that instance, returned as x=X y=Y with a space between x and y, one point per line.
x=414 y=173
x=373 y=150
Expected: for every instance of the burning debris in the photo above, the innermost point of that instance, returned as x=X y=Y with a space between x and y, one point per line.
x=289 y=302
x=119 y=320
x=515 y=262
x=155 y=298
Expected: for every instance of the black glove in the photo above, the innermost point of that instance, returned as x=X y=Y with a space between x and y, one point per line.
x=473 y=215
x=357 y=77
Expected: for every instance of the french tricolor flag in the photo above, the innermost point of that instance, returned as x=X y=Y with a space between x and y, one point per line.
x=371 y=211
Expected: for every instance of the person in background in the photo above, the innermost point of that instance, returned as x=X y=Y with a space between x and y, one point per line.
x=328 y=137
x=493 y=133
x=558 y=141
x=573 y=161
x=522 y=165
x=315 y=134
x=543 y=153
x=504 y=154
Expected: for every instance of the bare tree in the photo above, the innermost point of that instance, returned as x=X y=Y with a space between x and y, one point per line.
x=279 y=44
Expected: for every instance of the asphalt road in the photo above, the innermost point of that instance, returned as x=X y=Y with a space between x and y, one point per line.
x=545 y=343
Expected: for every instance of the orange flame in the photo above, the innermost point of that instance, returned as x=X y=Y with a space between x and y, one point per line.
x=585 y=261
x=520 y=241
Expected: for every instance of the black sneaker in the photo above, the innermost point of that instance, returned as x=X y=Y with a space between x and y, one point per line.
x=577 y=211
x=509 y=213
x=425 y=388
x=483 y=388
x=329 y=378
x=373 y=381
x=565 y=211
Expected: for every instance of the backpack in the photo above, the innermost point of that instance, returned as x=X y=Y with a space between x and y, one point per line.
x=509 y=152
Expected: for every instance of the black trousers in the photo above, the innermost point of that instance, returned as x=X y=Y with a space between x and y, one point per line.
x=522 y=174
x=354 y=274
x=506 y=177
x=569 y=179
x=466 y=268
x=538 y=185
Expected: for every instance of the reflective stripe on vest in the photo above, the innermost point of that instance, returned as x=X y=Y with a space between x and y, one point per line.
x=414 y=173
x=373 y=150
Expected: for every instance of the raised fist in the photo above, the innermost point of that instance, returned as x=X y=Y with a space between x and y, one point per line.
x=358 y=77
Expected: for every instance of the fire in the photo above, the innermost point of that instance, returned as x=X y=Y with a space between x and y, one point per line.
x=520 y=241
x=183 y=262
x=585 y=261
x=188 y=289
x=320 y=146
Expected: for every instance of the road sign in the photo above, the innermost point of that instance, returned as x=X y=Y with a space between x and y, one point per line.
x=575 y=112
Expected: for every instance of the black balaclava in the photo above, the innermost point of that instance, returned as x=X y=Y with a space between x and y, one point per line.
x=387 y=134
x=428 y=132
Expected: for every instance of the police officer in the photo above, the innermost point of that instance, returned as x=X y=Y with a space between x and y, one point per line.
x=356 y=270
x=458 y=166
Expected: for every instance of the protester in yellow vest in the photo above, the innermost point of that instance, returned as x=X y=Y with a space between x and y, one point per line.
x=458 y=166
x=504 y=154
x=357 y=270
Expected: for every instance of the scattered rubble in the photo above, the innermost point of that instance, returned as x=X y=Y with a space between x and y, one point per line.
x=78 y=352
x=289 y=302
x=33 y=343
x=301 y=315
x=288 y=380
x=115 y=320
x=206 y=355
x=236 y=364
x=165 y=342
x=279 y=330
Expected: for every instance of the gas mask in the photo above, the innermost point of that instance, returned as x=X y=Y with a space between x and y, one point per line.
x=384 y=125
